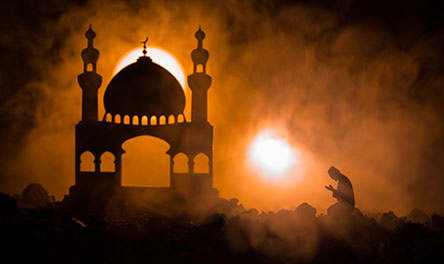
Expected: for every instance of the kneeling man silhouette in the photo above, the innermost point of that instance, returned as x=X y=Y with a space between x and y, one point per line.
x=343 y=192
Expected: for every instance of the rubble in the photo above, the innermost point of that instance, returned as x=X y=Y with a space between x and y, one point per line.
x=51 y=234
x=35 y=196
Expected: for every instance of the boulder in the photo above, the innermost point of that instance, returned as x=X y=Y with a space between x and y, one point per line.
x=35 y=196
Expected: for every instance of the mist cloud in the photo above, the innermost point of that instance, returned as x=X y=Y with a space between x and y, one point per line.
x=352 y=84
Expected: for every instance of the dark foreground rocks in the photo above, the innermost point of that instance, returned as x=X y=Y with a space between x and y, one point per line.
x=46 y=233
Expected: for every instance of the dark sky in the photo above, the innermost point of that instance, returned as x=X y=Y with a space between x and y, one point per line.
x=359 y=84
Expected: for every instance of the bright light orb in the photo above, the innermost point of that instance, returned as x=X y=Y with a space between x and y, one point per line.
x=159 y=56
x=271 y=154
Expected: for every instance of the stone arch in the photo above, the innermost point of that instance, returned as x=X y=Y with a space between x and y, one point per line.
x=135 y=120
x=126 y=120
x=108 y=118
x=180 y=163
x=144 y=120
x=162 y=120
x=180 y=118
x=145 y=162
x=87 y=162
x=153 y=120
x=107 y=162
x=201 y=163
x=171 y=119
x=117 y=119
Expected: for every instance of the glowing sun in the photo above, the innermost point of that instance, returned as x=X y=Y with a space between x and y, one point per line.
x=159 y=56
x=271 y=154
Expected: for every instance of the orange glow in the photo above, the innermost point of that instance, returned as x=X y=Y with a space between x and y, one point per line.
x=272 y=155
x=135 y=169
x=159 y=56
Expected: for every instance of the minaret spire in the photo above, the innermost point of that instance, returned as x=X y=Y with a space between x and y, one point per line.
x=90 y=55
x=199 y=55
x=89 y=80
x=199 y=82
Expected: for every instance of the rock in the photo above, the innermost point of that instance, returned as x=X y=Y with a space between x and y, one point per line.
x=437 y=222
x=306 y=211
x=214 y=221
x=8 y=205
x=418 y=216
x=390 y=221
x=35 y=196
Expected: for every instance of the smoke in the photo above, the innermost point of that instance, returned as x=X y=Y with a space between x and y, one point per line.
x=351 y=84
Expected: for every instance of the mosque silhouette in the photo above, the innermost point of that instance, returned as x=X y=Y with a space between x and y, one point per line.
x=142 y=99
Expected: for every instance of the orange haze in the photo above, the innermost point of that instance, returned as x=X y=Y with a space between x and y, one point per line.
x=340 y=98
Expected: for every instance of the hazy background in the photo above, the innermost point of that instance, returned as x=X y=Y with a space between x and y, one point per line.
x=355 y=84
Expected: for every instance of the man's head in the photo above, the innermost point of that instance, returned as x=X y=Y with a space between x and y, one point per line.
x=334 y=173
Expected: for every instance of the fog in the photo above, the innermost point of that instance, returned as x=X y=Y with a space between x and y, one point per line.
x=355 y=84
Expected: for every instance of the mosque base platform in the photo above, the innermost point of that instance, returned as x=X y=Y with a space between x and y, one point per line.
x=125 y=200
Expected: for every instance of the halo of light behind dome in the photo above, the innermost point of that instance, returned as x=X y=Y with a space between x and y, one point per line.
x=159 y=56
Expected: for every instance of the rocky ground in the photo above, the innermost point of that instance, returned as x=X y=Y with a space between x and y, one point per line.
x=34 y=227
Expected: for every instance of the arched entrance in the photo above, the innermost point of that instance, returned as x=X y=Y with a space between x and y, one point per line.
x=145 y=162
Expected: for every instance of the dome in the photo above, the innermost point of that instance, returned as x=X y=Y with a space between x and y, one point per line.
x=144 y=88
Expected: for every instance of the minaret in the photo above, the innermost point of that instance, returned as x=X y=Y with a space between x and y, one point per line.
x=199 y=81
x=89 y=80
